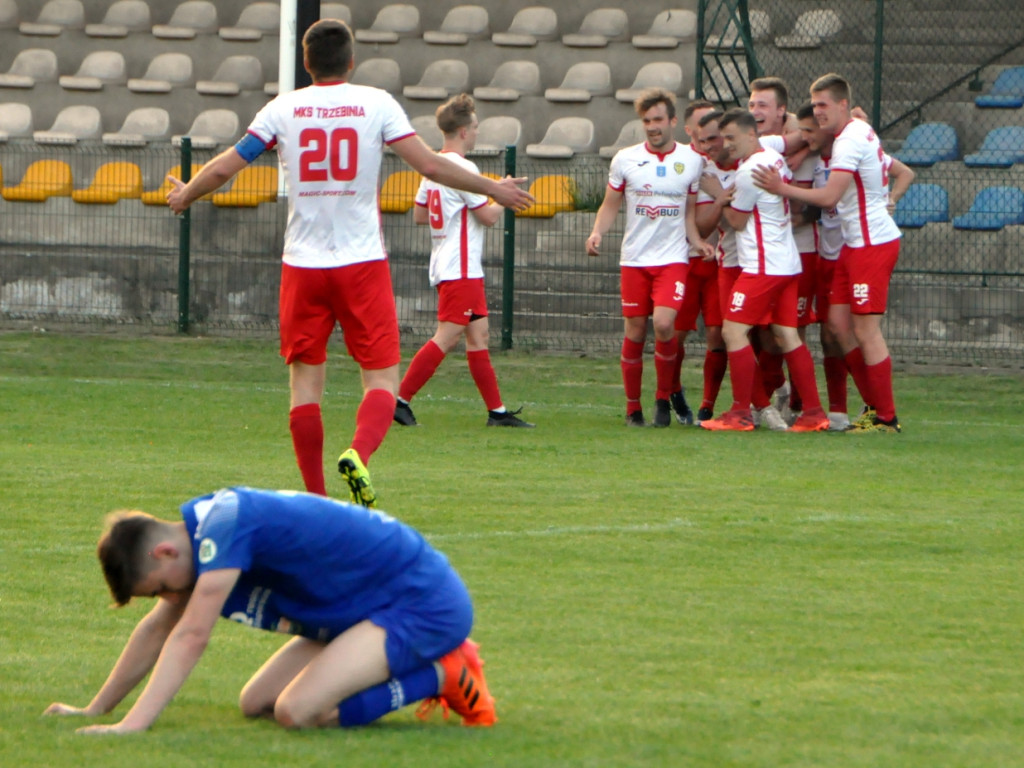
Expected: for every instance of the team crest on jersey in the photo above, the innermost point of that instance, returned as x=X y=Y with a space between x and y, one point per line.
x=679 y=168
x=207 y=551
x=661 y=170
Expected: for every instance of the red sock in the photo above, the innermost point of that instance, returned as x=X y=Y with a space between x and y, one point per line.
x=742 y=369
x=307 y=428
x=715 y=362
x=880 y=377
x=420 y=370
x=858 y=371
x=482 y=371
x=835 y=382
x=372 y=422
x=677 y=372
x=801 y=373
x=758 y=391
x=771 y=371
x=632 y=362
x=665 y=355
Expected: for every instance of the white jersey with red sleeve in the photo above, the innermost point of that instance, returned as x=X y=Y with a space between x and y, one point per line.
x=805 y=234
x=830 y=228
x=726 y=251
x=656 y=189
x=329 y=138
x=766 y=245
x=457 y=237
x=863 y=207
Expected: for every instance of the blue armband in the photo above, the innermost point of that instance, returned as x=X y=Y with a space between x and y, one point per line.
x=250 y=147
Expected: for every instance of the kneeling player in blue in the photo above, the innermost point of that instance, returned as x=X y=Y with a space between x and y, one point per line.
x=380 y=618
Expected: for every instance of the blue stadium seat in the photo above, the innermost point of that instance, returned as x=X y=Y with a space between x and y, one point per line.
x=1001 y=148
x=921 y=204
x=1007 y=91
x=930 y=143
x=993 y=208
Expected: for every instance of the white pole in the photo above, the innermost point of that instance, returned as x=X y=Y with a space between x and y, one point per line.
x=286 y=51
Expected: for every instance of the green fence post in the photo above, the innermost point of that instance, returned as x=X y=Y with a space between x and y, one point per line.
x=509 y=259
x=876 y=100
x=184 y=237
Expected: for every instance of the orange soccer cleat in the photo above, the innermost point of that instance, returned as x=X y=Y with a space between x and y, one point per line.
x=464 y=689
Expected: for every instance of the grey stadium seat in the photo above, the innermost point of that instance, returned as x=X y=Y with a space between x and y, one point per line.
x=760 y=28
x=255 y=21
x=582 y=82
x=211 y=128
x=659 y=74
x=393 y=23
x=440 y=80
x=336 y=11
x=631 y=133
x=511 y=80
x=426 y=128
x=565 y=137
x=496 y=133
x=97 y=69
x=669 y=29
x=529 y=26
x=812 y=29
x=234 y=75
x=15 y=120
x=54 y=18
x=8 y=14
x=31 y=66
x=71 y=125
x=379 y=73
x=165 y=72
x=140 y=127
x=462 y=24
x=122 y=17
x=600 y=27
x=189 y=19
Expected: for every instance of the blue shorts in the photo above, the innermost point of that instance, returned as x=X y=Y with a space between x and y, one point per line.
x=423 y=626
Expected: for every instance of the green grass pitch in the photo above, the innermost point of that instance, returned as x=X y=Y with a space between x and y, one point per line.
x=644 y=597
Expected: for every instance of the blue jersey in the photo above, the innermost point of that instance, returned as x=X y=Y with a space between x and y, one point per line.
x=310 y=565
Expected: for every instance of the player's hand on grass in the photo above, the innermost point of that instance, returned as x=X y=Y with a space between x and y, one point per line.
x=768 y=179
x=116 y=729
x=176 y=196
x=59 y=708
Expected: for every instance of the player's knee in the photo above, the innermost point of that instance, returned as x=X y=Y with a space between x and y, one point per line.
x=253 y=704
x=291 y=716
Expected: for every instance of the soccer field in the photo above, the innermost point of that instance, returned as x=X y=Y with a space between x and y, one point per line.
x=644 y=597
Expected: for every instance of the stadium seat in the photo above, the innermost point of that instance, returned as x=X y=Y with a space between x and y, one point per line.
x=42 y=180
x=393 y=23
x=1001 y=148
x=511 y=80
x=378 y=73
x=113 y=181
x=54 y=18
x=812 y=29
x=529 y=26
x=727 y=82
x=632 y=133
x=598 y=28
x=669 y=29
x=552 y=194
x=122 y=17
x=441 y=79
x=140 y=127
x=921 y=204
x=582 y=82
x=426 y=128
x=398 y=192
x=760 y=28
x=929 y=143
x=8 y=14
x=1007 y=91
x=71 y=125
x=31 y=66
x=158 y=196
x=188 y=20
x=255 y=21
x=97 y=69
x=15 y=120
x=211 y=128
x=496 y=133
x=165 y=72
x=462 y=24
x=336 y=11
x=234 y=75
x=993 y=208
x=663 y=74
x=565 y=137
x=253 y=185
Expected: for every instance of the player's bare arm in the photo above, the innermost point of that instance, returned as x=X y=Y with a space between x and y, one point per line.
x=823 y=197
x=605 y=218
x=182 y=650
x=420 y=215
x=489 y=214
x=737 y=219
x=901 y=176
x=709 y=215
x=423 y=159
x=705 y=249
x=211 y=176
x=135 y=662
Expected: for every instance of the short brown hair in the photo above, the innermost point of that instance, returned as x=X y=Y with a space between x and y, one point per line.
x=327 y=47
x=776 y=84
x=837 y=86
x=740 y=117
x=122 y=551
x=696 y=104
x=710 y=117
x=455 y=113
x=650 y=97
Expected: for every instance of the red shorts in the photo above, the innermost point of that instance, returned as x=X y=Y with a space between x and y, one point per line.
x=763 y=299
x=461 y=301
x=644 y=288
x=700 y=296
x=862 y=277
x=726 y=279
x=807 y=286
x=359 y=297
x=826 y=271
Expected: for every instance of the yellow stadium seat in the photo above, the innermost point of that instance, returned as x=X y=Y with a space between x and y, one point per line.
x=553 y=195
x=398 y=193
x=253 y=185
x=43 y=179
x=158 y=196
x=112 y=182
